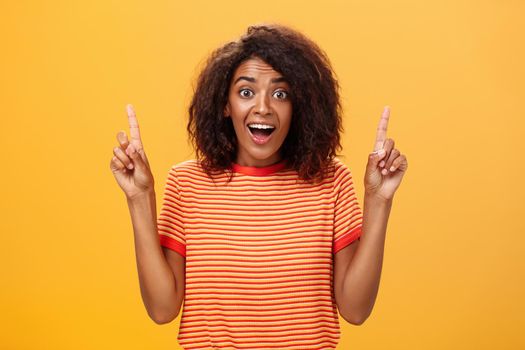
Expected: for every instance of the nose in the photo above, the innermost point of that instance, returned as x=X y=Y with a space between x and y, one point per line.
x=262 y=104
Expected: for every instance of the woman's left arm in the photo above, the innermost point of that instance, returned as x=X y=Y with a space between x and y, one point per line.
x=385 y=169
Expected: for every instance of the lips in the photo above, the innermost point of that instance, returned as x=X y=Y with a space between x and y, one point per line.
x=260 y=139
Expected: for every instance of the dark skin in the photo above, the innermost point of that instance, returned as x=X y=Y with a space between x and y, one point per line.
x=357 y=267
x=258 y=94
x=161 y=271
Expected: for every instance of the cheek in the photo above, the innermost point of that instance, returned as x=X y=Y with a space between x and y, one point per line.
x=239 y=109
x=236 y=115
x=287 y=117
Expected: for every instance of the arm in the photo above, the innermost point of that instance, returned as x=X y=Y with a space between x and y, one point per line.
x=358 y=266
x=357 y=275
x=161 y=289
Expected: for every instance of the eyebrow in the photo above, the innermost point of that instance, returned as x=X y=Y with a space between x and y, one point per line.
x=250 y=79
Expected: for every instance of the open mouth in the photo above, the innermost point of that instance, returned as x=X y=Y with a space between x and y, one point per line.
x=261 y=133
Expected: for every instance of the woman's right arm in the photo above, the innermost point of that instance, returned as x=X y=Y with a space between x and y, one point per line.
x=161 y=289
x=161 y=271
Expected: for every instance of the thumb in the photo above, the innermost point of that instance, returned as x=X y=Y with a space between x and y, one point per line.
x=374 y=158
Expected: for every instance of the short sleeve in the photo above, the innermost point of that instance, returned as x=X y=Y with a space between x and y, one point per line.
x=348 y=216
x=170 y=223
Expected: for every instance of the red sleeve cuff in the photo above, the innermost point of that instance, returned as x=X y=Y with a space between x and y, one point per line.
x=168 y=242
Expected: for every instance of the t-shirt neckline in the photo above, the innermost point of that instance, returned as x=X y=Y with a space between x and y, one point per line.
x=259 y=171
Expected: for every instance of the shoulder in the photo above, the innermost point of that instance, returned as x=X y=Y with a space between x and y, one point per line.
x=187 y=165
x=192 y=170
x=338 y=168
x=340 y=172
x=185 y=168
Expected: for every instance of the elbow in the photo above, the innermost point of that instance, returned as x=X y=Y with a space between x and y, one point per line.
x=162 y=318
x=162 y=321
x=355 y=318
x=359 y=321
x=159 y=319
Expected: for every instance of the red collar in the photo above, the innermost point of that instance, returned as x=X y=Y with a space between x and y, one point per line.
x=259 y=171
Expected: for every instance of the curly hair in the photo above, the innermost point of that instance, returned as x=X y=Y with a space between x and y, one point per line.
x=314 y=136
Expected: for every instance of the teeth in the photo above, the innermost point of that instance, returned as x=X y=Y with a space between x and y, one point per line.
x=261 y=126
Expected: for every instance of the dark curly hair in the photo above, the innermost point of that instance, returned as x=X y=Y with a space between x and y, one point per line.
x=314 y=136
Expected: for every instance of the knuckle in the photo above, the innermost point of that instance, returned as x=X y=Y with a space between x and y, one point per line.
x=116 y=163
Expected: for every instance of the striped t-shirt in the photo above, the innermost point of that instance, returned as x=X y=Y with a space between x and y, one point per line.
x=259 y=254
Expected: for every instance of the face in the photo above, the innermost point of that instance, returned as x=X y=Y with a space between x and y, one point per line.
x=261 y=111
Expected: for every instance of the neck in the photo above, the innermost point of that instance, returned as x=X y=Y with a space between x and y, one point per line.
x=258 y=163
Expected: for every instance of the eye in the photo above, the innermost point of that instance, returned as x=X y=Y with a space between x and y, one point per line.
x=281 y=94
x=245 y=93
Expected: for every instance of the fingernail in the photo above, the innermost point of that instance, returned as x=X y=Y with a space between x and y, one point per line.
x=392 y=168
x=130 y=165
x=384 y=171
x=382 y=164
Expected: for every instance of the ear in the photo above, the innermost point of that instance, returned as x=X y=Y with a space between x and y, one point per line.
x=227 y=110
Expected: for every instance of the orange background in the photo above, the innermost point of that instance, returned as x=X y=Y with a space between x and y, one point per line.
x=452 y=72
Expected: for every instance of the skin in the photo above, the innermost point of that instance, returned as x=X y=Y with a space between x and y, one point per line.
x=357 y=267
x=258 y=93
x=161 y=271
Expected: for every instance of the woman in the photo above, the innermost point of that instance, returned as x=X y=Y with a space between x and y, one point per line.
x=262 y=235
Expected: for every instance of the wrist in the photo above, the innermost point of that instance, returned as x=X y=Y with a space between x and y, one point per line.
x=378 y=199
x=141 y=196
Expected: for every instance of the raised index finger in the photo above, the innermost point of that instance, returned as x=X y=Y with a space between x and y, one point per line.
x=134 y=131
x=381 y=129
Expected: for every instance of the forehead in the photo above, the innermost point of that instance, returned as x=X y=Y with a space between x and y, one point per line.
x=255 y=67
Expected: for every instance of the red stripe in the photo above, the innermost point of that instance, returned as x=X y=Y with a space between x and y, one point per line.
x=266 y=245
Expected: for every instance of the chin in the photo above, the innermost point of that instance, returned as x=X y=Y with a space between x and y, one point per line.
x=263 y=154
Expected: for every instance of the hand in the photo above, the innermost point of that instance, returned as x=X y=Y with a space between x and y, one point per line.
x=380 y=180
x=130 y=165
